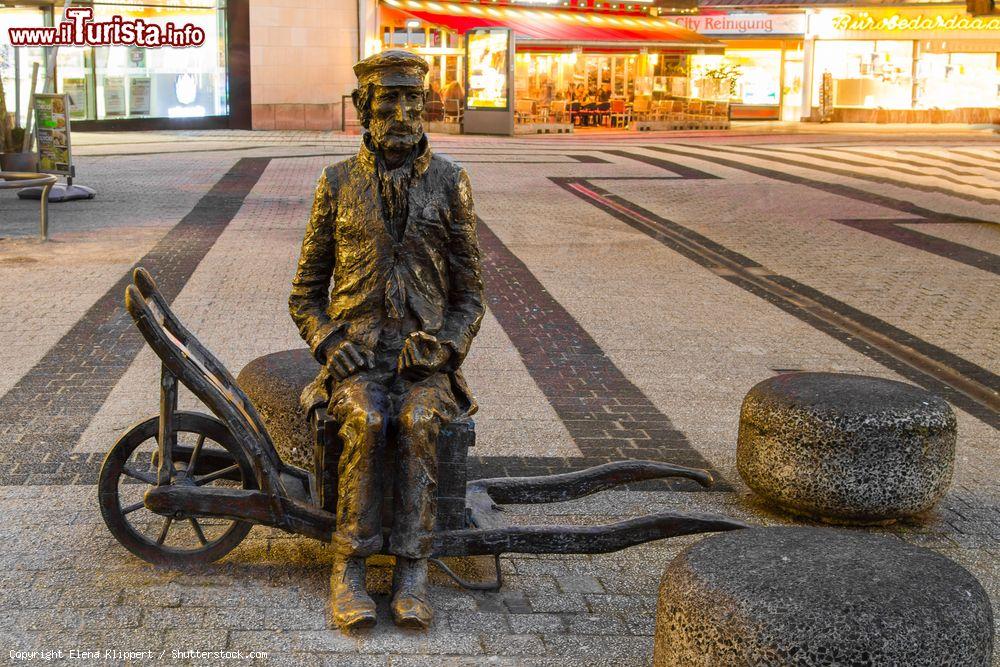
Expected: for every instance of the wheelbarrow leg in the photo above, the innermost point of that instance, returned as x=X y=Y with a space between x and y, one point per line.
x=578 y=539
x=570 y=485
x=490 y=534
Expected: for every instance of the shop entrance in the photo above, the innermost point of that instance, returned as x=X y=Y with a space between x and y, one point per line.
x=594 y=91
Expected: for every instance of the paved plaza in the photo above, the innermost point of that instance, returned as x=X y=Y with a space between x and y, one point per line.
x=637 y=288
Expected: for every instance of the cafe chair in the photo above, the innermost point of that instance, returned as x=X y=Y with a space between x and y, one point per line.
x=557 y=111
x=524 y=112
x=619 y=115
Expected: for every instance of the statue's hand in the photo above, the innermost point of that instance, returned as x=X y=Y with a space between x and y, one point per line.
x=347 y=358
x=422 y=355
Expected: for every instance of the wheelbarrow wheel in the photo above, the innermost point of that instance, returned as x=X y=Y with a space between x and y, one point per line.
x=129 y=471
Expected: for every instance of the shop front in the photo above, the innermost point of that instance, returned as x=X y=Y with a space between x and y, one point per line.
x=582 y=68
x=904 y=64
x=762 y=66
x=128 y=86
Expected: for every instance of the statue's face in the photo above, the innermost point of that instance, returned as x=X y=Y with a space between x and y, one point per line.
x=395 y=117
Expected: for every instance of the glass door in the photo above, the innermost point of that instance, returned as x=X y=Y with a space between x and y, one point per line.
x=791 y=87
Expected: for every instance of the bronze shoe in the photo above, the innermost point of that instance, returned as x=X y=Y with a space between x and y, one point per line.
x=410 y=608
x=351 y=606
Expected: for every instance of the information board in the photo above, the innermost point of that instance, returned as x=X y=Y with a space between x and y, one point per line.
x=76 y=89
x=53 y=134
x=488 y=54
x=114 y=96
x=138 y=95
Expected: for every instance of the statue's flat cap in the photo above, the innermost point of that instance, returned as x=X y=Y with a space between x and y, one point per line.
x=395 y=67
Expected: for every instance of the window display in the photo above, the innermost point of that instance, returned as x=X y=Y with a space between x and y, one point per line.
x=758 y=81
x=169 y=82
x=955 y=80
x=110 y=82
x=867 y=74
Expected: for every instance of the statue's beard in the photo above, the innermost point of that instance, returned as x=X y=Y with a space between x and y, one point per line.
x=396 y=136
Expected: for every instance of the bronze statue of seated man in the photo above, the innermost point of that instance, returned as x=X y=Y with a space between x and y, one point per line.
x=389 y=295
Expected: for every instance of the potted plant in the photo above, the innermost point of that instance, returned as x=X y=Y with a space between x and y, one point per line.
x=721 y=81
x=16 y=155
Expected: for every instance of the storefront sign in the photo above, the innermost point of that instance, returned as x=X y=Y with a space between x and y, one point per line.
x=52 y=133
x=913 y=24
x=895 y=22
x=114 y=96
x=744 y=24
x=138 y=96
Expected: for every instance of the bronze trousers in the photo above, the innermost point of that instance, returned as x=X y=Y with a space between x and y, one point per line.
x=364 y=405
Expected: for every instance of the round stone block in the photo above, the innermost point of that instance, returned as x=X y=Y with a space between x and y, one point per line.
x=273 y=384
x=846 y=448
x=819 y=596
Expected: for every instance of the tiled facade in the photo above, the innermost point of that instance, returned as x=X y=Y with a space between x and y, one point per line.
x=301 y=53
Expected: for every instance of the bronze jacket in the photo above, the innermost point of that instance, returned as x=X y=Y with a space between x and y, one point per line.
x=347 y=242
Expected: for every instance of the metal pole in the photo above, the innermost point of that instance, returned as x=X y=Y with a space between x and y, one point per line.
x=43 y=223
x=17 y=85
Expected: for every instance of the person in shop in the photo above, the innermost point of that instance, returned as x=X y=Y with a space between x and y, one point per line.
x=577 y=97
x=564 y=97
x=589 y=107
x=604 y=101
x=453 y=95
x=546 y=92
x=435 y=102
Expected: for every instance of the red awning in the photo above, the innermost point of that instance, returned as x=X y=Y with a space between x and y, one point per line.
x=536 y=27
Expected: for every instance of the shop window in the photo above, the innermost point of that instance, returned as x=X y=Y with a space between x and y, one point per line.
x=74 y=71
x=108 y=82
x=955 y=80
x=15 y=64
x=757 y=80
x=545 y=77
x=165 y=82
x=866 y=74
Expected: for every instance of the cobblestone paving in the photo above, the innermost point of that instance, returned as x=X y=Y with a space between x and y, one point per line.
x=576 y=296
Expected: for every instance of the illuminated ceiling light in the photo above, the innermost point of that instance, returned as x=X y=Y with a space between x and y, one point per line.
x=435 y=7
